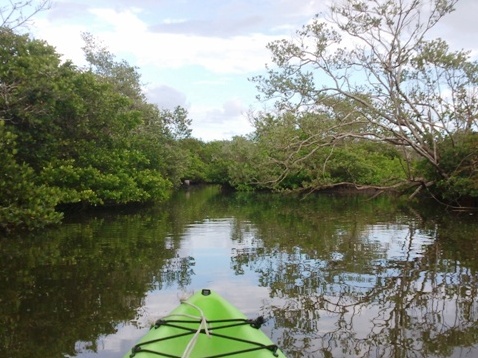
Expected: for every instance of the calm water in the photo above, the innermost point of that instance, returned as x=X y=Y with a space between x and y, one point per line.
x=334 y=276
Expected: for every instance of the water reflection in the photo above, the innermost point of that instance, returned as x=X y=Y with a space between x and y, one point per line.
x=335 y=276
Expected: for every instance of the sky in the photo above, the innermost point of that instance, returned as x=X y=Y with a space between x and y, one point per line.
x=200 y=54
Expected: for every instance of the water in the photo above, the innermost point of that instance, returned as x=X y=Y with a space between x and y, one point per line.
x=335 y=276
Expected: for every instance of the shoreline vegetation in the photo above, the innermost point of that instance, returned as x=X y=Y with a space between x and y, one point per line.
x=88 y=137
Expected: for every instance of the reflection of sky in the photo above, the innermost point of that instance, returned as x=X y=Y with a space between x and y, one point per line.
x=397 y=242
x=212 y=244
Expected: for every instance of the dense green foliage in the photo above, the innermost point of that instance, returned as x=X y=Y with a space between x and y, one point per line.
x=23 y=202
x=297 y=156
x=459 y=157
x=73 y=135
x=89 y=136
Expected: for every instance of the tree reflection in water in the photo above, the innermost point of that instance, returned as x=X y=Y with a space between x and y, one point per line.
x=339 y=276
x=398 y=296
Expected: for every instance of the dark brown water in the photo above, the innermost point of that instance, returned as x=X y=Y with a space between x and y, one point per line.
x=334 y=276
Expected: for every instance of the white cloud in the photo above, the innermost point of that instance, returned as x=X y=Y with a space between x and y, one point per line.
x=236 y=55
x=123 y=22
x=211 y=123
x=174 y=21
x=124 y=32
x=166 y=97
x=459 y=28
x=67 y=41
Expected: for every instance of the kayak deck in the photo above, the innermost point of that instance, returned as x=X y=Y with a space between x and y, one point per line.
x=206 y=326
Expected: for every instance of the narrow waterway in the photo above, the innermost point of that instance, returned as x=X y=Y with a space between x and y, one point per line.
x=335 y=276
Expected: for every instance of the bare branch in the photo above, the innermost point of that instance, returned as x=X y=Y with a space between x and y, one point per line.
x=18 y=14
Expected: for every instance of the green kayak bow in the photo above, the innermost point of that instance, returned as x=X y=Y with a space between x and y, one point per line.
x=205 y=326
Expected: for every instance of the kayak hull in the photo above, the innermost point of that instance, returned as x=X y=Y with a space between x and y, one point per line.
x=205 y=325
